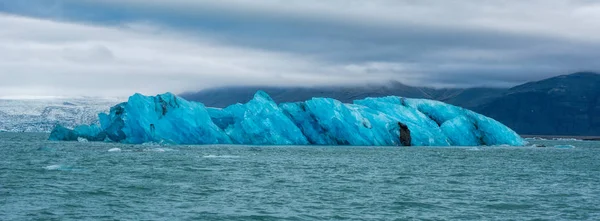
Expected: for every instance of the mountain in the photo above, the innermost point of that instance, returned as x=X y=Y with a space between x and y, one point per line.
x=471 y=98
x=41 y=115
x=225 y=96
x=563 y=105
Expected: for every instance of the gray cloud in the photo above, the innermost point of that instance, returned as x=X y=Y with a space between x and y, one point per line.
x=186 y=45
x=66 y=58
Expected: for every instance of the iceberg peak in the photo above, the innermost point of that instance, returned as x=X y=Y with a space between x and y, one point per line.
x=261 y=95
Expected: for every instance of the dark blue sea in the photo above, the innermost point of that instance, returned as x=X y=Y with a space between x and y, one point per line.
x=42 y=180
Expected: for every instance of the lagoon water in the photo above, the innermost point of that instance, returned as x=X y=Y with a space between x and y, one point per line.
x=43 y=180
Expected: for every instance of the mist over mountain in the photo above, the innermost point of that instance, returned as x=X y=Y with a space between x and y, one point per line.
x=563 y=105
x=225 y=96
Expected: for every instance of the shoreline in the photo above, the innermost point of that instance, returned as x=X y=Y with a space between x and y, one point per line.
x=587 y=138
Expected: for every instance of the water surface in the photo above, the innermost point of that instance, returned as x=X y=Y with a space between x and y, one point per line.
x=42 y=180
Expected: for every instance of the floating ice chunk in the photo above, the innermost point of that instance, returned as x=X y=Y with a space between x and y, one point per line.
x=61 y=167
x=538 y=145
x=386 y=121
x=534 y=139
x=114 y=150
x=53 y=167
x=156 y=150
x=566 y=139
x=564 y=146
x=159 y=150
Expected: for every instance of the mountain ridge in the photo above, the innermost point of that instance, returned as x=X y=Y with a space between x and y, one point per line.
x=562 y=105
x=224 y=96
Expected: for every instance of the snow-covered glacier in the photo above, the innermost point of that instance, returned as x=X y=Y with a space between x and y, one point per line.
x=42 y=114
x=385 y=121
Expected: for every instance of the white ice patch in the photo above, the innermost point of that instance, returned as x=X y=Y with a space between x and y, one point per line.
x=53 y=167
x=537 y=145
x=564 y=146
x=82 y=140
x=114 y=150
x=535 y=138
x=566 y=139
x=160 y=150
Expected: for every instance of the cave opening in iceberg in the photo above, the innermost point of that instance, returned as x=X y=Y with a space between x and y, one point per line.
x=385 y=121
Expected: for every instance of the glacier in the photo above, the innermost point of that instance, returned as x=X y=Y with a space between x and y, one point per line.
x=385 y=121
x=41 y=115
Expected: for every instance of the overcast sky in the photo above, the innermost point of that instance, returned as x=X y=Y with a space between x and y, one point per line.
x=118 y=47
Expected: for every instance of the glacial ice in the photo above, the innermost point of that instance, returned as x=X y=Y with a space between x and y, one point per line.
x=385 y=121
x=261 y=121
x=83 y=132
x=165 y=118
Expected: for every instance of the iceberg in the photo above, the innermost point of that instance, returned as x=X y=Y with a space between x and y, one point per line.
x=384 y=121
x=83 y=132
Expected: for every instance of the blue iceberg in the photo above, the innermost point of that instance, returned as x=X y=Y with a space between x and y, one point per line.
x=89 y=132
x=385 y=121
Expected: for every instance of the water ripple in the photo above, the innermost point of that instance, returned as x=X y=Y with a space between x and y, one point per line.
x=42 y=180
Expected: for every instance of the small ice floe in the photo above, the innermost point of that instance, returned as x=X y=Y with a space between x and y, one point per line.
x=537 y=145
x=564 y=146
x=159 y=150
x=220 y=156
x=59 y=167
x=535 y=138
x=82 y=140
x=114 y=150
x=53 y=167
x=566 y=139
x=151 y=144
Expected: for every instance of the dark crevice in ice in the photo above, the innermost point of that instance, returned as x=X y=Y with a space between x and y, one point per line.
x=405 y=137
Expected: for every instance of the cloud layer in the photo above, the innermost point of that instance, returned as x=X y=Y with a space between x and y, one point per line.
x=115 y=48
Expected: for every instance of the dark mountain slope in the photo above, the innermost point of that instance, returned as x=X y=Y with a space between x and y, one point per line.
x=222 y=97
x=471 y=98
x=563 y=105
